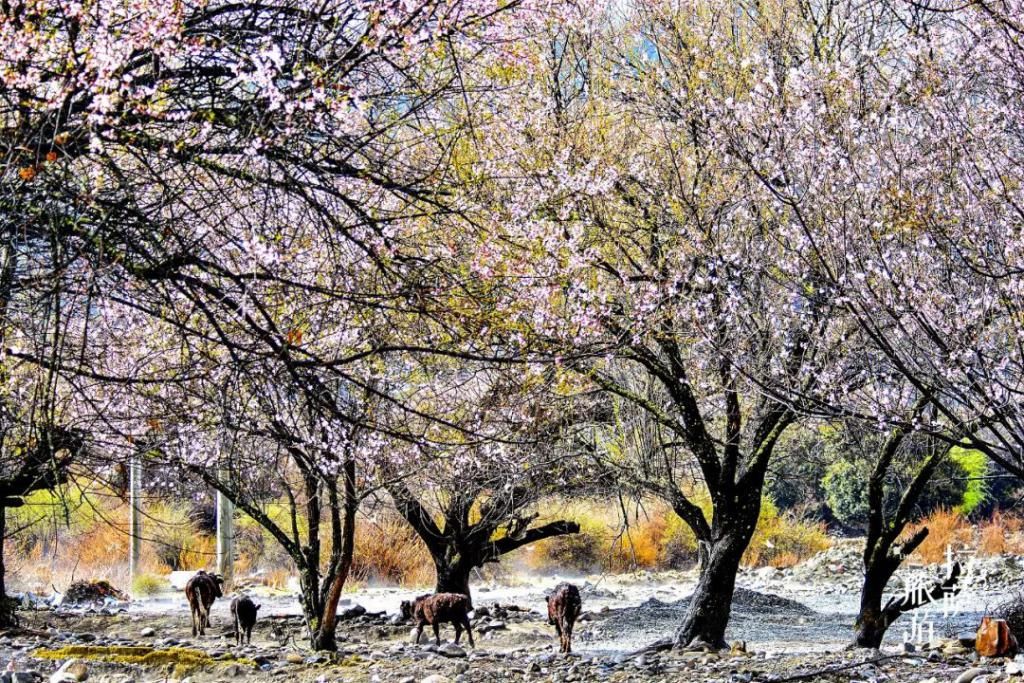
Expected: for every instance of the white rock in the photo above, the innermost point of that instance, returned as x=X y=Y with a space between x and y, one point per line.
x=71 y=671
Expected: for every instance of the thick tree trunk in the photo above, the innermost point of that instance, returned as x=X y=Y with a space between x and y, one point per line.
x=317 y=609
x=324 y=639
x=460 y=546
x=7 y=605
x=872 y=623
x=320 y=599
x=711 y=603
x=452 y=577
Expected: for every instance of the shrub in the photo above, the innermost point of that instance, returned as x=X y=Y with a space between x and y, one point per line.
x=974 y=466
x=845 y=491
x=174 y=535
x=388 y=550
x=784 y=539
x=148 y=584
x=1000 y=534
x=795 y=475
x=656 y=538
x=847 y=496
x=255 y=547
x=947 y=529
x=1013 y=612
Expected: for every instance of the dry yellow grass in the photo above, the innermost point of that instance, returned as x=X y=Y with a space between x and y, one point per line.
x=387 y=550
x=1001 y=534
x=655 y=538
x=650 y=537
x=946 y=529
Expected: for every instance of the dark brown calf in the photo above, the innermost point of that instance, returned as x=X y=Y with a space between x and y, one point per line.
x=564 y=606
x=201 y=590
x=244 y=610
x=438 y=609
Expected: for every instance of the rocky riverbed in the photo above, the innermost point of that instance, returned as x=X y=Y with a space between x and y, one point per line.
x=784 y=623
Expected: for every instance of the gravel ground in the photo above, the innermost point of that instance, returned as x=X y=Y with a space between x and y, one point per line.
x=792 y=621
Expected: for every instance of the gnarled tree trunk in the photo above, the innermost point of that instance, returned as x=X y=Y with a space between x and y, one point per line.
x=707 y=614
x=881 y=558
x=452 y=577
x=461 y=546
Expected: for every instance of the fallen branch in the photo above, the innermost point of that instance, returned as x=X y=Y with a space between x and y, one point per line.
x=665 y=644
x=833 y=669
x=657 y=646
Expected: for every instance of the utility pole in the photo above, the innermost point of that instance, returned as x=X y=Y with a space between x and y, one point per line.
x=225 y=539
x=135 y=523
x=225 y=508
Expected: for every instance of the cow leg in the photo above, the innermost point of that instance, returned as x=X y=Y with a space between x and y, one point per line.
x=469 y=631
x=193 y=611
x=419 y=632
x=458 y=631
x=568 y=636
x=437 y=632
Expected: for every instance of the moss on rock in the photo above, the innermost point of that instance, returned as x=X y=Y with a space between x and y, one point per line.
x=182 y=659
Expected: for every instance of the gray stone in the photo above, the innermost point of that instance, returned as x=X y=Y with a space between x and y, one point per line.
x=148 y=632
x=451 y=650
x=970 y=674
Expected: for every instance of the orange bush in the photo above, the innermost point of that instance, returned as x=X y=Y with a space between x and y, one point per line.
x=276 y=578
x=199 y=553
x=1002 y=533
x=784 y=560
x=388 y=550
x=946 y=529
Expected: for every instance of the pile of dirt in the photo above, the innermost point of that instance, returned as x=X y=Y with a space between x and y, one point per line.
x=755 y=616
x=743 y=601
x=92 y=591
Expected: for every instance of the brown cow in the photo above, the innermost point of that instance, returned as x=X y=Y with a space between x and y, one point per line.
x=201 y=590
x=563 y=607
x=441 y=608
